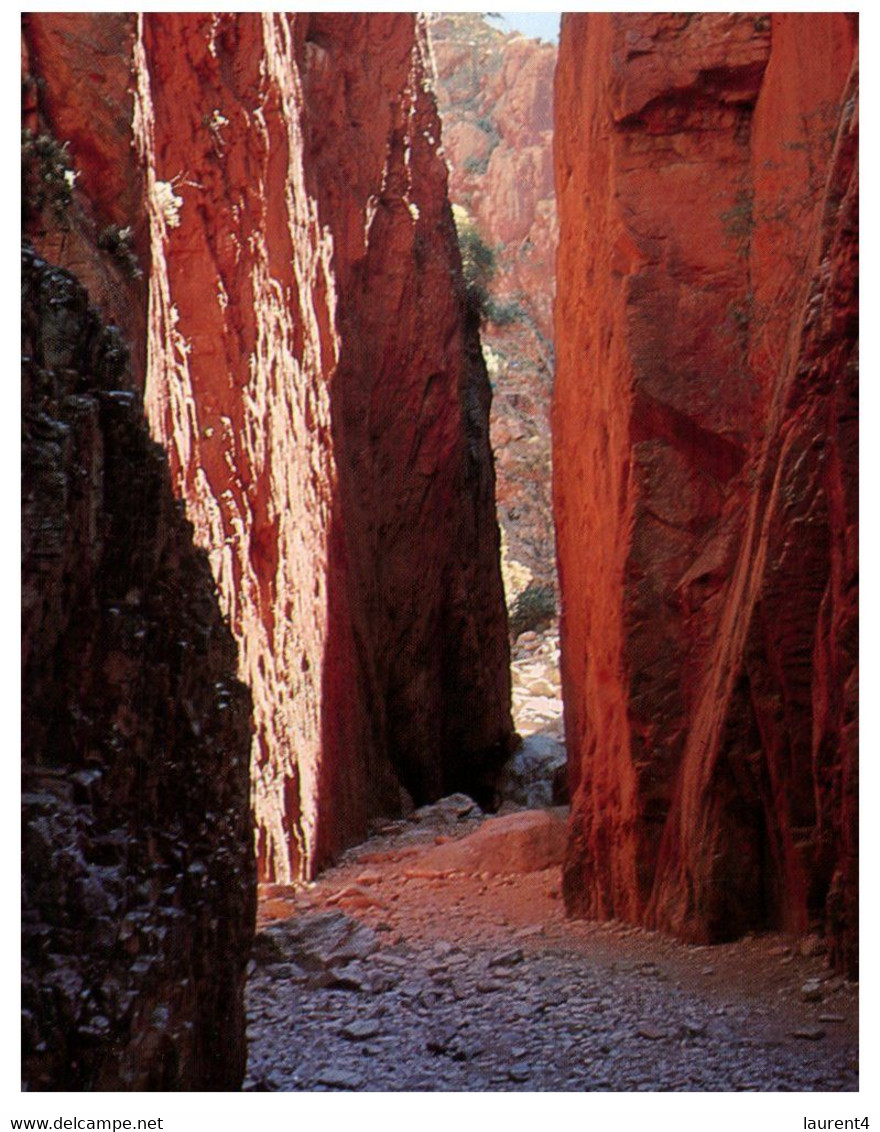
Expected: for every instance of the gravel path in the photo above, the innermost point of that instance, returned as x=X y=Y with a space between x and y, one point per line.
x=378 y=978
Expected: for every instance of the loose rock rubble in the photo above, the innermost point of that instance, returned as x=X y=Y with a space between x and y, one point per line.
x=470 y=978
x=537 y=696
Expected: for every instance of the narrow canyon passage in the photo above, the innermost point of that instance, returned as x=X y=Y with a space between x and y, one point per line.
x=303 y=808
x=438 y=954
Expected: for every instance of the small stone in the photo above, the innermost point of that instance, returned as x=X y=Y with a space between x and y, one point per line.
x=651 y=1032
x=348 y=980
x=361 y=1030
x=267 y=948
x=488 y=986
x=811 y=991
x=97 y=1027
x=339 y=1079
x=267 y=1083
x=831 y=1018
x=813 y=945
x=440 y=1043
x=519 y=1073
x=355 y=896
x=507 y=958
x=286 y=973
x=809 y=1033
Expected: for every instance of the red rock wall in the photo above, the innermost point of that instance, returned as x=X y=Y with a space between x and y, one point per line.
x=705 y=441
x=138 y=895
x=322 y=400
x=77 y=87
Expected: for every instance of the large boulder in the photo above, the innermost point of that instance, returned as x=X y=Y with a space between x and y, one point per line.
x=535 y=774
x=523 y=842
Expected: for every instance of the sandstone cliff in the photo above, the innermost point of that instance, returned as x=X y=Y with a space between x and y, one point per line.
x=705 y=455
x=495 y=95
x=139 y=882
x=318 y=388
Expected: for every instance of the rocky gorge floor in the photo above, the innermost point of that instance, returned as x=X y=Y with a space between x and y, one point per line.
x=437 y=956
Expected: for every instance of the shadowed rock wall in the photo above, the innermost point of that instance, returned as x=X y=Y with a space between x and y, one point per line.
x=322 y=399
x=705 y=451
x=139 y=883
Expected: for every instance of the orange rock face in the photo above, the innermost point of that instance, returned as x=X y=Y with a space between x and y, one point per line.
x=322 y=400
x=705 y=455
x=325 y=407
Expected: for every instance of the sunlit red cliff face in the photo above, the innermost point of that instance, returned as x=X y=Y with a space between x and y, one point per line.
x=705 y=454
x=312 y=375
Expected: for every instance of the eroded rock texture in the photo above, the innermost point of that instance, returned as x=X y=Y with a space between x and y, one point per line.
x=325 y=407
x=495 y=93
x=322 y=399
x=139 y=884
x=77 y=88
x=705 y=455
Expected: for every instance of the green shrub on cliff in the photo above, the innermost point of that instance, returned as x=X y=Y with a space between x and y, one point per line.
x=477 y=263
x=533 y=609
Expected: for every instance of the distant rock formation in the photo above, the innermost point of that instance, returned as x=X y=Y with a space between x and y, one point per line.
x=705 y=448
x=495 y=95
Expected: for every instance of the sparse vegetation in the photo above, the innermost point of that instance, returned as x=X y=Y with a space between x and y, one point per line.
x=488 y=127
x=477 y=264
x=739 y=221
x=47 y=178
x=504 y=313
x=515 y=576
x=533 y=609
x=476 y=165
x=116 y=242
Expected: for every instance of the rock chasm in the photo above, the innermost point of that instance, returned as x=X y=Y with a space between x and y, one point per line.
x=262 y=594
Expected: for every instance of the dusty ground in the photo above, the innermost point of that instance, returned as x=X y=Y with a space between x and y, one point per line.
x=377 y=978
